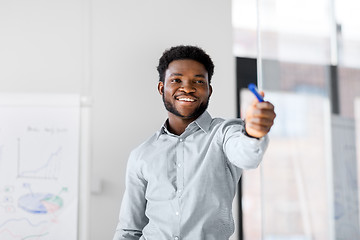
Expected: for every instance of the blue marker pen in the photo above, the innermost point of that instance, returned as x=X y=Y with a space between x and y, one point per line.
x=252 y=87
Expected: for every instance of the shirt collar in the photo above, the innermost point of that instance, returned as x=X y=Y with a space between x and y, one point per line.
x=203 y=122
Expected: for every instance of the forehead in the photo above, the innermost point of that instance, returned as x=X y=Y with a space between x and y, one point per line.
x=186 y=66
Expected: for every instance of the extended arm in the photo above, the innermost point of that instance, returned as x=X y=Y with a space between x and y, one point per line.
x=245 y=144
x=241 y=150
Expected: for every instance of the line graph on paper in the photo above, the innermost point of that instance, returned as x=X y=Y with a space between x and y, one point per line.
x=34 y=229
x=42 y=166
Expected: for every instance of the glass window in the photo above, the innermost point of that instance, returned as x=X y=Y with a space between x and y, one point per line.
x=307 y=186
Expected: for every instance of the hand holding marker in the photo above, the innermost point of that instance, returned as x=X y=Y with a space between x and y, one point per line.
x=260 y=115
x=252 y=87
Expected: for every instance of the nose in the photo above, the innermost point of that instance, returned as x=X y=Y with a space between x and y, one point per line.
x=188 y=87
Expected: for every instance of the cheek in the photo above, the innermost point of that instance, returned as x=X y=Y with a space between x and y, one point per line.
x=168 y=91
x=205 y=93
x=167 y=95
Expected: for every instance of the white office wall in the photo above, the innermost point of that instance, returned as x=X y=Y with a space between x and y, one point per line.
x=41 y=46
x=108 y=50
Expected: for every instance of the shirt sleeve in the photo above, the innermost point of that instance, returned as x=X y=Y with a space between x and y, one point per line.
x=132 y=218
x=242 y=151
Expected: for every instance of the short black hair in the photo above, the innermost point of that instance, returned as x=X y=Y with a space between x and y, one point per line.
x=185 y=52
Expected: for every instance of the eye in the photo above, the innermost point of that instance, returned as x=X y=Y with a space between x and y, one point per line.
x=200 y=81
x=175 y=80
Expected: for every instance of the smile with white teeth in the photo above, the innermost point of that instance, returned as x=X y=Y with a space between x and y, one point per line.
x=186 y=99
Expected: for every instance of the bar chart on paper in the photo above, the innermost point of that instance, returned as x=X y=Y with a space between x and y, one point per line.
x=39 y=157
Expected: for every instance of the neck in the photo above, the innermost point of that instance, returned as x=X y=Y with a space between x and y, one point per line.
x=177 y=125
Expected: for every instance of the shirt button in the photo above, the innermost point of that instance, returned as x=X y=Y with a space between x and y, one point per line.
x=181 y=140
x=176 y=238
x=177 y=213
x=179 y=165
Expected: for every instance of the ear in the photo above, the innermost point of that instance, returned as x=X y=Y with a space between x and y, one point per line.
x=210 y=90
x=161 y=87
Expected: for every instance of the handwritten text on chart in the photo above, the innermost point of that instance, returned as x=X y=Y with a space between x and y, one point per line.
x=49 y=130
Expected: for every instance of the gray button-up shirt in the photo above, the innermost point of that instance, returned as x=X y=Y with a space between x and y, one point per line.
x=182 y=187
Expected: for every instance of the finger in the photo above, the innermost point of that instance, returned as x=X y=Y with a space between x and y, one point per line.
x=262 y=93
x=262 y=113
x=265 y=105
x=255 y=101
x=262 y=121
x=264 y=129
x=259 y=128
x=256 y=130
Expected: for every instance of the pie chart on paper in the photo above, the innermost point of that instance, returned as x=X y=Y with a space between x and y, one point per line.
x=40 y=203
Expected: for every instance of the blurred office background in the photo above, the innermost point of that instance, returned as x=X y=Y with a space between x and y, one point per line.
x=107 y=52
x=309 y=53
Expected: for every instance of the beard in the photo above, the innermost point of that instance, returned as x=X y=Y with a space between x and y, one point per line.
x=195 y=114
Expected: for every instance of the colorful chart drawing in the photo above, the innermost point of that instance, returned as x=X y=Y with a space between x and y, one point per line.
x=40 y=203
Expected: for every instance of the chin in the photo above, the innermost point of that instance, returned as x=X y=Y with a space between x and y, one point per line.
x=192 y=115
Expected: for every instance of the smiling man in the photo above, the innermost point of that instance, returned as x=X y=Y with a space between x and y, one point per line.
x=186 y=92
x=181 y=182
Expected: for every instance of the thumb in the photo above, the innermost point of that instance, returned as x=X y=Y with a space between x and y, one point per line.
x=255 y=101
x=262 y=93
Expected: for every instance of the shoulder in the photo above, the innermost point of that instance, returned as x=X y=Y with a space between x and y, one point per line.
x=135 y=161
x=148 y=143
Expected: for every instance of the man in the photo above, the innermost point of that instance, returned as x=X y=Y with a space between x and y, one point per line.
x=180 y=183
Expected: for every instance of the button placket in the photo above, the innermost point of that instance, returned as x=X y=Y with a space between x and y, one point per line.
x=179 y=164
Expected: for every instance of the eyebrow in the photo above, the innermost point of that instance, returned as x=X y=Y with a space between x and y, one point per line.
x=196 y=75
x=175 y=74
x=200 y=75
